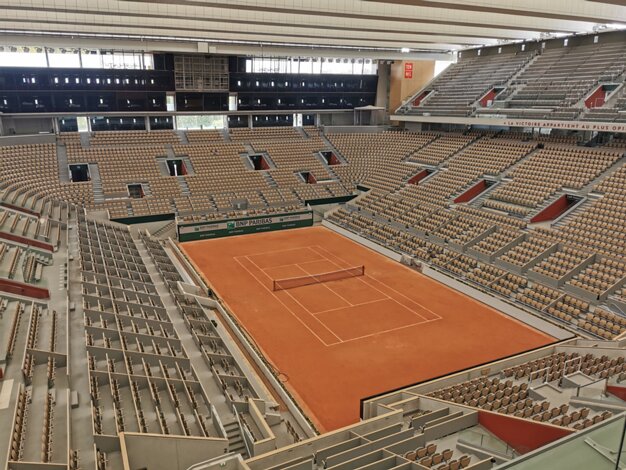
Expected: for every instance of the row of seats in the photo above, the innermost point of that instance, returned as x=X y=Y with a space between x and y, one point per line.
x=599 y=276
x=18 y=434
x=560 y=262
x=110 y=138
x=15 y=326
x=48 y=427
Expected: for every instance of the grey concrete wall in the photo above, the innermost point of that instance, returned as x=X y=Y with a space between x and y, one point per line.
x=311 y=446
x=451 y=426
x=171 y=452
x=293 y=409
x=27 y=139
x=338 y=119
x=21 y=126
x=349 y=128
x=382 y=89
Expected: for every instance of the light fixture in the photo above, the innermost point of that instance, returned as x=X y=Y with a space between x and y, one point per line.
x=405 y=50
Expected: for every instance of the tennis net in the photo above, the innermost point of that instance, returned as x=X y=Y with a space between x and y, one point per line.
x=292 y=282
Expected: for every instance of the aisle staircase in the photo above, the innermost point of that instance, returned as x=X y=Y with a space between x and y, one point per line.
x=235 y=439
x=64 y=169
x=184 y=187
x=96 y=181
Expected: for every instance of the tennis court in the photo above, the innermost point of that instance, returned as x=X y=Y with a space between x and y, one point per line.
x=340 y=322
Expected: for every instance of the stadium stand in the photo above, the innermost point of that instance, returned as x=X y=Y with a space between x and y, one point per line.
x=118 y=349
x=462 y=84
x=483 y=231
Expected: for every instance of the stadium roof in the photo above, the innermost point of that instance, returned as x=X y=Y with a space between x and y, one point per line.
x=378 y=27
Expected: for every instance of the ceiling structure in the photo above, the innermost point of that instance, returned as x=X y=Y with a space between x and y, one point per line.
x=373 y=28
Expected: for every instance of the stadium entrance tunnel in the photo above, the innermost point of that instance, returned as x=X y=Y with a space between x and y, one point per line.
x=79 y=173
x=422 y=96
x=474 y=191
x=308 y=177
x=176 y=167
x=559 y=207
x=330 y=158
x=599 y=95
x=259 y=162
x=135 y=191
x=488 y=98
x=415 y=179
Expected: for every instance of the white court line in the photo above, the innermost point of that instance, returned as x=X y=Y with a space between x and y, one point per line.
x=5 y=394
x=289 y=309
x=353 y=305
x=384 y=284
x=377 y=289
x=290 y=264
x=388 y=331
x=277 y=251
x=249 y=257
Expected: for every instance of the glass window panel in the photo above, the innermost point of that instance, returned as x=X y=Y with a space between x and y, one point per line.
x=306 y=66
x=68 y=59
x=148 y=61
x=22 y=59
x=91 y=60
x=200 y=122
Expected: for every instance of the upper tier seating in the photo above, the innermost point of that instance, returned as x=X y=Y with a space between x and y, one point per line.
x=559 y=78
x=460 y=85
x=546 y=84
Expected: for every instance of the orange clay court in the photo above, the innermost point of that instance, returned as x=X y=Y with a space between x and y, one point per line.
x=337 y=342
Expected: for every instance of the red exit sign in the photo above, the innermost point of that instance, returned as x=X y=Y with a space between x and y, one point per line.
x=408 y=70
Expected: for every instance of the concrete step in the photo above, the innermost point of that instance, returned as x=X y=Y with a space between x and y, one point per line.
x=94 y=173
x=169 y=150
x=302 y=132
x=270 y=180
x=64 y=170
x=85 y=139
x=184 y=188
x=567 y=216
x=166 y=231
x=182 y=135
